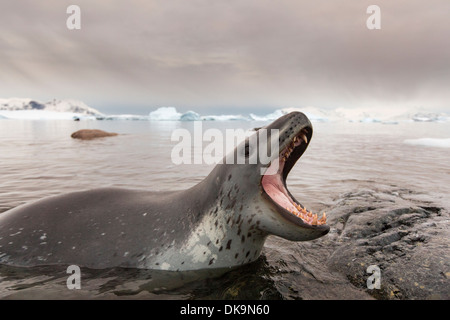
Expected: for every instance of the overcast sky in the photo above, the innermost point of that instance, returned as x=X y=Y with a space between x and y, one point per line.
x=134 y=56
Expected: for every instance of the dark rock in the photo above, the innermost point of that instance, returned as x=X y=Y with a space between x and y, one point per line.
x=391 y=228
x=88 y=134
x=408 y=242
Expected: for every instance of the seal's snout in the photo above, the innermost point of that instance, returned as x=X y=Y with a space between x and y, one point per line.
x=295 y=136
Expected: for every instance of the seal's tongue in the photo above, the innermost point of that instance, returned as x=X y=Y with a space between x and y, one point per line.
x=275 y=188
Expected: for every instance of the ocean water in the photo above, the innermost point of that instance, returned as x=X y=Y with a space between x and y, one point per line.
x=39 y=159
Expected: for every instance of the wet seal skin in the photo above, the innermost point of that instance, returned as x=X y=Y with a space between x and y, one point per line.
x=221 y=222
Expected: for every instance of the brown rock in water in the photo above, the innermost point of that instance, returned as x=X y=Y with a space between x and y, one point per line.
x=89 y=134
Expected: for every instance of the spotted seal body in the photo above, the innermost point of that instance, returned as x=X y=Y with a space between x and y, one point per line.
x=221 y=222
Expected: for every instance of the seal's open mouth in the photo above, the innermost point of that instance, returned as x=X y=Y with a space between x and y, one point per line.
x=274 y=184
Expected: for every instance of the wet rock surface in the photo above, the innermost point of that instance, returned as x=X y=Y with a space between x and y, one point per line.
x=397 y=230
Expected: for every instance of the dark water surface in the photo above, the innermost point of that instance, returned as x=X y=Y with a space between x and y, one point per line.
x=39 y=159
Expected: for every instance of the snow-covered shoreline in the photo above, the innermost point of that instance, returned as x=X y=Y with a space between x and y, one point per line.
x=28 y=109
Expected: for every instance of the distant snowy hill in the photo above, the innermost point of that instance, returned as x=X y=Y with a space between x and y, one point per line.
x=364 y=115
x=29 y=109
x=66 y=106
x=370 y=115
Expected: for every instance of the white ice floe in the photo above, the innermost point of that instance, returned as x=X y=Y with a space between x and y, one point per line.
x=171 y=114
x=190 y=116
x=135 y=117
x=225 y=117
x=429 y=142
x=268 y=117
x=165 y=114
x=429 y=117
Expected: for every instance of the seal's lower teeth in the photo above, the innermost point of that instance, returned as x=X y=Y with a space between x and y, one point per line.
x=307 y=216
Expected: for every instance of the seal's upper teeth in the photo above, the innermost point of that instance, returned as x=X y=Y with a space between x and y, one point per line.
x=303 y=137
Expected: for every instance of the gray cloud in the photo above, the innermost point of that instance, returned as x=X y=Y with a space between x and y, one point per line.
x=206 y=53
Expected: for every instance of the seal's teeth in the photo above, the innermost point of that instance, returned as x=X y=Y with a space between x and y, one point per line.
x=314 y=220
x=303 y=137
x=305 y=215
x=323 y=220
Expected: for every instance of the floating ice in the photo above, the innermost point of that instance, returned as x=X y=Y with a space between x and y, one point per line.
x=190 y=116
x=429 y=117
x=17 y=108
x=370 y=120
x=314 y=114
x=225 y=117
x=171 y=114
x=268 y=117
x=429 y=142
x=124 y=117
x=165 y=114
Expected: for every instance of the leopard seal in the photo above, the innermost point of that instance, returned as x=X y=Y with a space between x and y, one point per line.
x=221 y=222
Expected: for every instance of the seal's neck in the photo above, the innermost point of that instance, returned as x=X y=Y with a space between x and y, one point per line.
x=225 y=229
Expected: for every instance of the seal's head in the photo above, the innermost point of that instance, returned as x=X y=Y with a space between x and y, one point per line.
x=294 y=222
x=263 y=183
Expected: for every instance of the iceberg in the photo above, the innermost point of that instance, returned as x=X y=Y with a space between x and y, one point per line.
x=389 y=122
x=225 y=117
x=314 y=114
x=429 y=117
x=268 y=117
x=429 y=142
x=369 y=120
x=135 y=117
x=165 y=114
x=171 y=114
x=190 y=116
